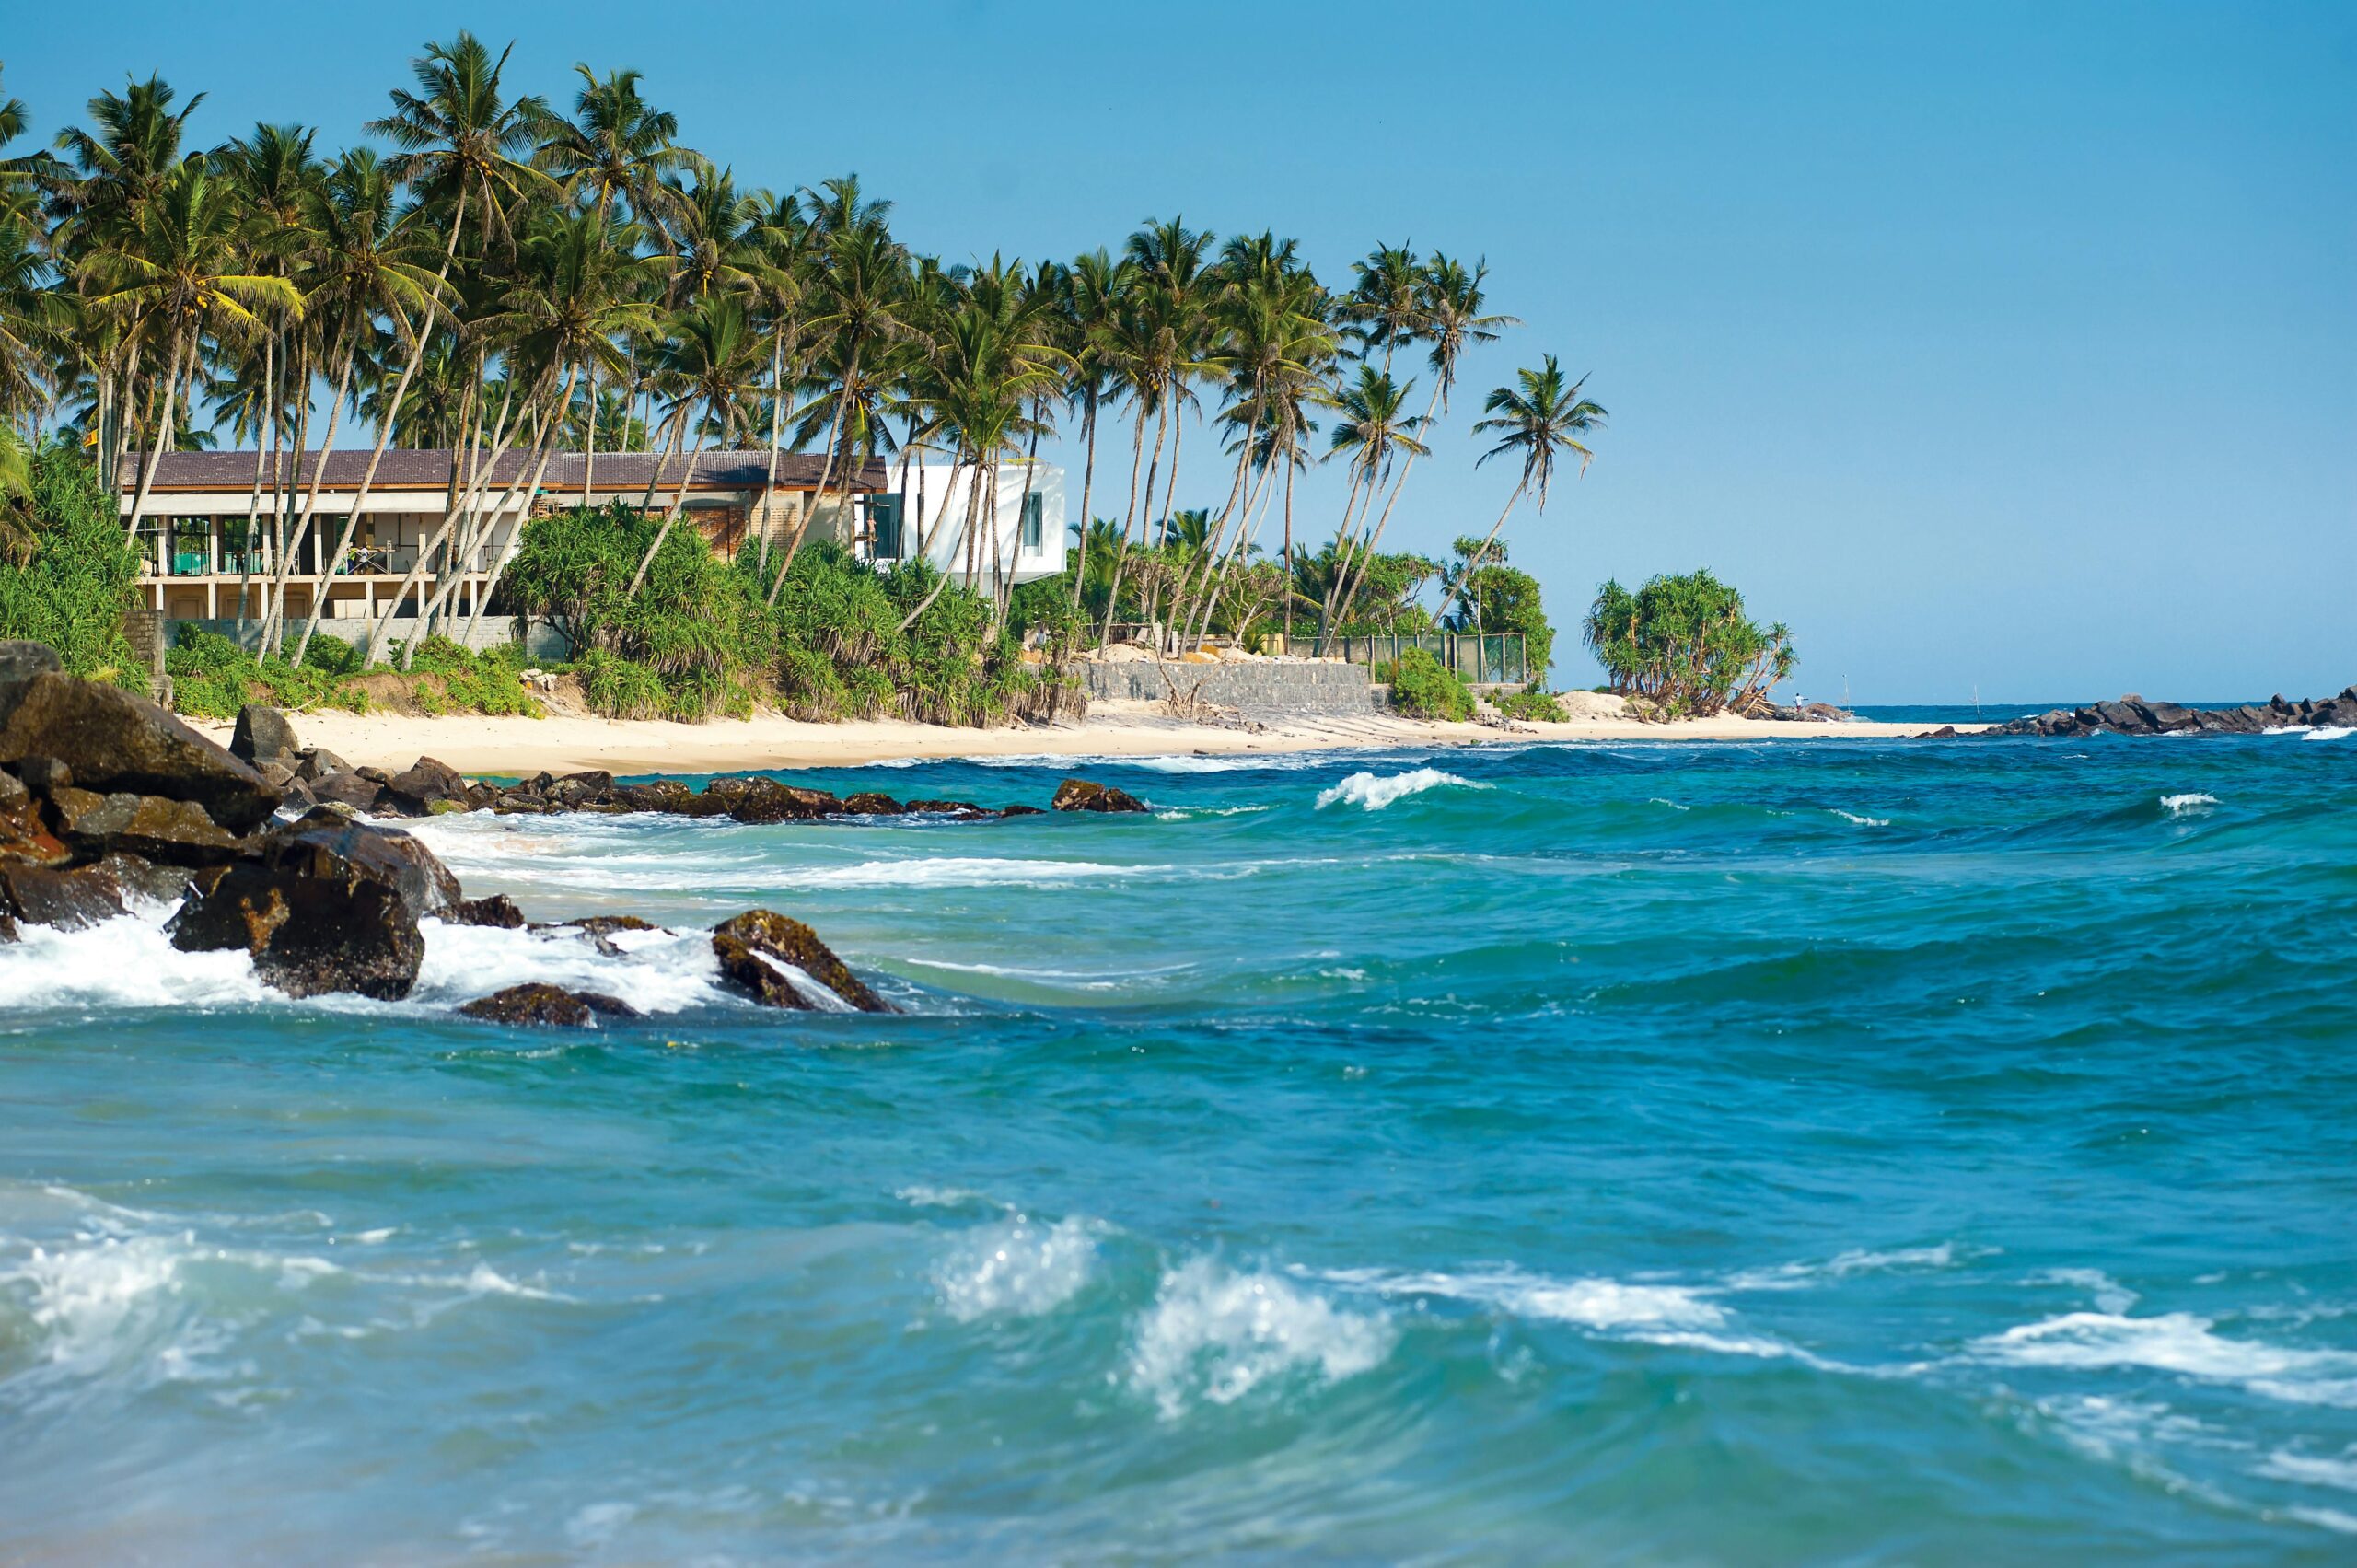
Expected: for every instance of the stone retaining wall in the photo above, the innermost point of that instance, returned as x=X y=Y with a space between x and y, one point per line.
x=1255 y=688
x=542 y=642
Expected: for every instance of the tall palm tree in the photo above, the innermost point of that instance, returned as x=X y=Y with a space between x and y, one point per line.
x=1535 y=420
x=711 y=361
x=1374 y=428
x=173 y=267
x=1093 y=288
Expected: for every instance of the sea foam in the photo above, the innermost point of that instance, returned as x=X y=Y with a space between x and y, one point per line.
x=1215 y=1335
x=1374 y=792
x=2181 y=1342
x=1020 y=1268
x=2187 y=804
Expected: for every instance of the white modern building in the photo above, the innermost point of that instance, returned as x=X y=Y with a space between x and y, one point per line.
x=934 y=501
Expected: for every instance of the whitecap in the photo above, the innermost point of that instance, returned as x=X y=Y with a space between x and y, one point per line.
x=1592 y=1303
x=1215 y=1335
x=659 y=971
x=1018 y=1268
x=2313 y=1469
x=1861 y=821
x=2330 y=732
x=1856 y=1260
x=2180 y=1342
x=1376 y=792
x=124 y=963
x=2187 y=804
x=2108 y=1294
x=958 y=871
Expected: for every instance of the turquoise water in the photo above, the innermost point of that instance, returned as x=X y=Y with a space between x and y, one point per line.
x=1825 y=1151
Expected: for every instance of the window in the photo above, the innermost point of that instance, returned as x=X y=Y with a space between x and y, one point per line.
x=884 y=526
x=1034 y=521
x=191 y=546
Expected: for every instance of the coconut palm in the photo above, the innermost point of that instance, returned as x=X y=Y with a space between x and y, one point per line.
x=1374 y=428
x=711 y=361
x=174 y=267
x=1093 y=288
x=1535 y=420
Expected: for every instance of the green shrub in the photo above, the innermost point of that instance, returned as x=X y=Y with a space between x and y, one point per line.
x=1535 y=706
x=1422 y=688
x=71 y=577
x=213 y=676
x=1685 y=646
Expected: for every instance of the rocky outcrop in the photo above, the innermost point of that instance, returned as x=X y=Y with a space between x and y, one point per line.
x=426 y=788
x=1086 y=794
x=2131 y=715
x=175 y=832
x=70 y=898
x=746 y=945
x=263 y=738
x=322 y=904
x=601 y=929
x=113 y=741
x=498 y=909
x=539 y=1004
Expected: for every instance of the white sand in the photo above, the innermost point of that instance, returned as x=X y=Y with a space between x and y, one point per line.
x=566 y=743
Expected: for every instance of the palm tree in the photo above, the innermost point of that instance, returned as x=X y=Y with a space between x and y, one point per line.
x=1374 y=429
x=710 y=360
x=1093 y=288
x=173 y=267
x=1537 y=420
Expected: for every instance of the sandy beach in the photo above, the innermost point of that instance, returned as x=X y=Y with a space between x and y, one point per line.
x=571 y=742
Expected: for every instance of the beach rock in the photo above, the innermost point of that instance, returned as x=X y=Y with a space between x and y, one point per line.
x=766 y=800
x=175 y=831
x=538 y=1002
x=601 y=928
x=1021 y=811
x=45 y=775
x=744 y=945
x=352 y=790
x=498 y=909
x=322 y=904
x=21 y=660
x=146 y=881
x=70 y=900
x=2131 y=715
x=1086 y=794
x=318 y=762
x=964 y=810
x=25 y=837
x=263 y=735
x=425 y=784
x=114 y=741
x=871 y=803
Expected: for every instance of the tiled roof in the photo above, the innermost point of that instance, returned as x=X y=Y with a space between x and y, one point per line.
x=405 y=469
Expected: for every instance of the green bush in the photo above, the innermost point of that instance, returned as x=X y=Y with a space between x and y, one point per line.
x=1422 y=688
x=213 y=676
x=72 y=578
x=1535 y=706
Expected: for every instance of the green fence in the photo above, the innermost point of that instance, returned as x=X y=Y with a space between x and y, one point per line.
x=1494 y=658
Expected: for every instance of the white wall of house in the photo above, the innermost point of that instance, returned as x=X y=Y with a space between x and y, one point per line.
x=940 y=494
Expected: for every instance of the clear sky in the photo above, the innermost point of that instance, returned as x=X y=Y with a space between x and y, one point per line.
x=1997 y=347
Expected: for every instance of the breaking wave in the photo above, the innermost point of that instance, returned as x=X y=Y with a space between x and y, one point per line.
x=1374 y=792
x=1215 y=1336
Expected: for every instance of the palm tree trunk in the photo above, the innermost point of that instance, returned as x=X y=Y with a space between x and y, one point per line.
x=265 y=447
x=463 y=499
x=974 y=501
x=1087 y=482
x=156 y=444
x=1129 y=516
x=678 y=499
x=1474 y=564
x=826 y=468
x=523 y=508
x=319 y=479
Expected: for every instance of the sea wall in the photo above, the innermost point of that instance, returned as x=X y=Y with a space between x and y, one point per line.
x=540 y=641
x=1271 y=688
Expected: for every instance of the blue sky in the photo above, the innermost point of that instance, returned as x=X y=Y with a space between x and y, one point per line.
x=1993 y=347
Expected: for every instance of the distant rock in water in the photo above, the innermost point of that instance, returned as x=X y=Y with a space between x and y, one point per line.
x=746 y=944
x=536 y=1002
x=498 y=910
x=2133 y=715
x=1087 y=795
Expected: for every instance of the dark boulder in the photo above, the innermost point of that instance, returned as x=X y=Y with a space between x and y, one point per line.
x=322 y=904
x=351 y=789
x=146 y=881
x=1022 y=811
x=1085 y=795
x=871 y=803
x=175 y=831
x=498 y=909
x=536 y=1002
x=965 y=810
x=114 y=741
x=601 y=929
x=318 y=762
x=263 y=735
x=417 y=790
x=25 y=836
x=70 y=901
x=45 y=775
x=746 y=943
x=766 y=800
x=21 y=660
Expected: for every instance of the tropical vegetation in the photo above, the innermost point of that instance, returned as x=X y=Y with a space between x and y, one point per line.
x=1684 y=647
x=494 y=272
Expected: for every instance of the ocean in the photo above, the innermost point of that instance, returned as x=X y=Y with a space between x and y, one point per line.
x=1634 y=1153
